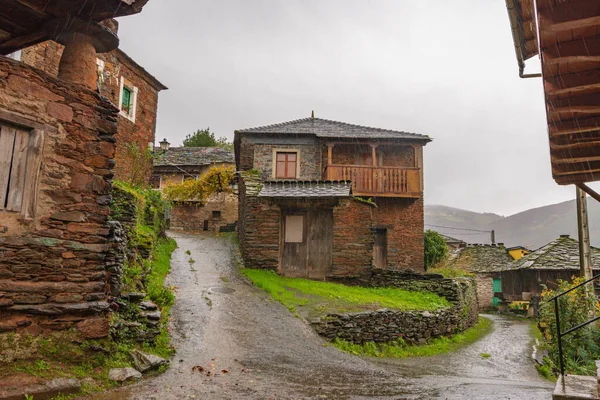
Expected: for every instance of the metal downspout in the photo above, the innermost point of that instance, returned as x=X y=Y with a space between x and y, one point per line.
x=512 y=15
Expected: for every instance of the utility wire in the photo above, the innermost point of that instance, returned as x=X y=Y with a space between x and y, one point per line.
x=460 y=229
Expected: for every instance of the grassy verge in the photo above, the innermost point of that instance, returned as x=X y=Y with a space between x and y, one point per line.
x=313 y=298
x=449 y=272
x=401 y=349
x=65 y=354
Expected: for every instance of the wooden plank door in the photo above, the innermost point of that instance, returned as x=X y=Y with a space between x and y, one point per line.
x=380 y=248
x=294 y=247
x=320 y=243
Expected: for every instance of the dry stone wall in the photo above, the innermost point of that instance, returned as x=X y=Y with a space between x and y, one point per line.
x=413 y=326
x=52 y=266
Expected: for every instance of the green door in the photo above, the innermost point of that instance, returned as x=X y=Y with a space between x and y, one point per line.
x=497 y=287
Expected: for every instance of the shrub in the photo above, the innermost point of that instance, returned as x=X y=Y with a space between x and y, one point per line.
x=436 y=250
x=581 y=347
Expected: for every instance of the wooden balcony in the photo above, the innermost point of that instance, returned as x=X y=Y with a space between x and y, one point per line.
x=378 y=181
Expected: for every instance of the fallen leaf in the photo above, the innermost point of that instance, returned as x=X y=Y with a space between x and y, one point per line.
x=198 y=368
x=224 y=371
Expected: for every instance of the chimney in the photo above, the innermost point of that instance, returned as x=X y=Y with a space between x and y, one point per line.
x=564 y=236
x=164 y=145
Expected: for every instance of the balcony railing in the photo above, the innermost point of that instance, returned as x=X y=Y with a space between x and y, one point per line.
x=378 y=181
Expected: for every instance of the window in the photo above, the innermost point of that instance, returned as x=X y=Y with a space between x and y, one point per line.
x=128 y=99
x=286 y=164
x=20 y=151
x=294 y=228
x=216 y=214
x=155 y=181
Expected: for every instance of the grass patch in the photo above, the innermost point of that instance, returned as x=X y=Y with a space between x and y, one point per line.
x=485 y=355
x=317 y=297
x=402 y=349
x=161 y=266
x=450 y=272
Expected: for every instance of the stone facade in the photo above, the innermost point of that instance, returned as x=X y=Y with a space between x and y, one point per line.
x=354 y=221
x=485 y=290
x=413 y=326
x=219 y=212
x=116 y=64
x=52 y=262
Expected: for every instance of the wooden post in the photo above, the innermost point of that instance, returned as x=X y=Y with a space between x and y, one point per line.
x=329 y=154
x=375 y=186
x=419 y=164
x=585 y=255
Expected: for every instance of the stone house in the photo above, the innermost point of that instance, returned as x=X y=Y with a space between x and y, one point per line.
x=557 y=260
x=486 y=262
x=57 y=150
x=174 y=165
x=322 y=199
x=126 y=84
x=453 y=243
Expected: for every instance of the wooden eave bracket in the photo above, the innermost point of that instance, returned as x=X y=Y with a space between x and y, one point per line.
x=589 y=191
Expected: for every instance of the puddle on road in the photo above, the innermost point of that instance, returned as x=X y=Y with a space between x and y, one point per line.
x=222 y=290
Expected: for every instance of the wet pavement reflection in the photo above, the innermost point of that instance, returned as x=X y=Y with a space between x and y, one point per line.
x=233 y=342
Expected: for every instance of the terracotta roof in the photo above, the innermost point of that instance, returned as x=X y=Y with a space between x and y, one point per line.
x=305 y=189
x=192 y=156
x=333 y=129
x=484 y=258
x=562 y=253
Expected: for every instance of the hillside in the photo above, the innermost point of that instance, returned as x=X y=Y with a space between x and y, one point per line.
x=531 y=228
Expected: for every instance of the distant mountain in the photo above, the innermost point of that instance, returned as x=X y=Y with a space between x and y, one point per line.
x=532 y=228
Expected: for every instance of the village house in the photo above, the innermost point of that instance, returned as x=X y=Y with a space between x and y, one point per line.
x=126 y=84
x=322 y=199
x=453 y=243
x=518 y=252
x=555 y=261
x=486 y=262
x=57 y=150
x=174 y=165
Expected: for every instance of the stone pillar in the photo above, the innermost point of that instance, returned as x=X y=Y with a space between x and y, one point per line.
x=82 y=41
x=78 y=61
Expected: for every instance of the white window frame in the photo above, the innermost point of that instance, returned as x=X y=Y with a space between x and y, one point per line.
x=134 y=91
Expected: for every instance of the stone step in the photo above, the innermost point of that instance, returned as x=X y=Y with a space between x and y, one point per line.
x=575 y=387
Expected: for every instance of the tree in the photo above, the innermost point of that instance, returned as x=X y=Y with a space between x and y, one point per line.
x=216 y=179
x=436 y=250
x=206 y=138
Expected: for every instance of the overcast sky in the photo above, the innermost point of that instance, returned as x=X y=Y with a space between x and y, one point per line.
x=441 y=68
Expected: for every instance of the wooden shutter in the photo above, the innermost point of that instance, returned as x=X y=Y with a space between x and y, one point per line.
x=20 y=157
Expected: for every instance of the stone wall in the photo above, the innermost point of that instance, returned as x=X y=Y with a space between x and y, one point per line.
x=52 y=265
x=46 y=56
x=191 y=216
x=310 y=160
x=413 y=326
x=352 y=241
x=258 y=225
x=404 y=222
x=485 y=291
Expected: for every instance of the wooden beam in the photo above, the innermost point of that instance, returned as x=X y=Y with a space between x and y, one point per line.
x=574 y=146
x=566 y=16
x=585 y=49
x=566 y=85
x=556 y=160
x=559 y=128
x=590 y=100
x=595 y=195
x=20 y=42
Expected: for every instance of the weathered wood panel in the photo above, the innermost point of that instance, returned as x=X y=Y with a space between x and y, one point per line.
x=320 y=242
x=380 y=248
x=18 y=169
x=34 y=159
x=7 y=140
x=378 y=181
x=293 y=254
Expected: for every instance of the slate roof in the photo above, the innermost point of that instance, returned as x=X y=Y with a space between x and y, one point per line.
x=482 y=258
x=305 y=189
x=562 y=253
x=450 y=239
x=192 y=156
x=325 y=128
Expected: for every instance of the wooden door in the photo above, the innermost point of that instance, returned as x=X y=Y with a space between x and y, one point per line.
x=294 y=247
x=320 y=242
x=380 y=248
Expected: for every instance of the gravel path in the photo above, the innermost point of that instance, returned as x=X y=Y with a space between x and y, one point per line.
x=245 y=346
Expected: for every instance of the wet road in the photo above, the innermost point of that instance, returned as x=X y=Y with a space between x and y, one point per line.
x=244 y=346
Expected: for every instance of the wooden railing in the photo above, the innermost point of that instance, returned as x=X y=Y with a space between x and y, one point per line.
x=378 y=181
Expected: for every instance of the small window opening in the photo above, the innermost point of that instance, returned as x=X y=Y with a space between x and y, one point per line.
x=216 y=214
x=286 y=165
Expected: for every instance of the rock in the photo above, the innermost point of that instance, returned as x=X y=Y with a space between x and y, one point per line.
x=69 y=216
x=38 y=388
x=148 y=305
x=132 y=324
x=95 y=328
x=123 y=374
x=145 y=362
x=134 y=296
x=155 y=315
